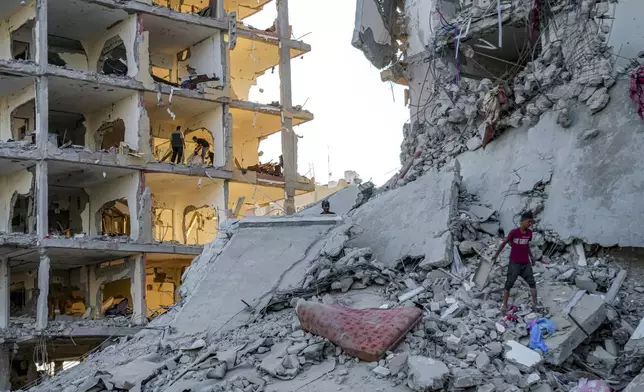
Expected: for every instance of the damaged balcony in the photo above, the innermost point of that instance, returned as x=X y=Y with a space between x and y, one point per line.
x=108 y=126
x=253 y=123
x=208 y=8
x=255 y=53
x=186 y=210
x=17 y=117
x=186 y=57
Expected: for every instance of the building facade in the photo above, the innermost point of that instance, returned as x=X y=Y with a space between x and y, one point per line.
x=91 y=208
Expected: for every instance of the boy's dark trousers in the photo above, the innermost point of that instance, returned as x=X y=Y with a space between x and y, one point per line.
x=177 y=153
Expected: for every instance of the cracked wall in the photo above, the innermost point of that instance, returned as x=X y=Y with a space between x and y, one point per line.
x=8 y=104
x=205 y=58
x=67 y=210
x=127 y=32
x=125 y=187
x=372 y=33
x=26 y=13
x=129 y=110
x=20 y=183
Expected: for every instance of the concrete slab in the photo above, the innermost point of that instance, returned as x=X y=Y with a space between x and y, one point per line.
x=411 y=221
x=242 y=272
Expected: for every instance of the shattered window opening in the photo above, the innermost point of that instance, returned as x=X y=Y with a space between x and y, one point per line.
x=20 y=216
x=115 y=218
x=110 y=135
x=113 y=59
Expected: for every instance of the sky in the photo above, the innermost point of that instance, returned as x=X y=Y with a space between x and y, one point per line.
x=358 y=118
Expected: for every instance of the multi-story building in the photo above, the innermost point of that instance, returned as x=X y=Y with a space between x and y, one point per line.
x=90 y=206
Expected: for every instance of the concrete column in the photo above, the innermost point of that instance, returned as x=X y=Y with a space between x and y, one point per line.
x=40 y=33
x=84 y=284
x=5 y=366
x=144 y=211
x=229 y=159
x=94 y=289
x=5 y=285
x=137 y=290
x=42 y=309
x=42 y=200
x=288 y=136
x=42 y=113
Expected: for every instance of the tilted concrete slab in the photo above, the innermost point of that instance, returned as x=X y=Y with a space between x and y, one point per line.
x=412 y=221
x=267 y=221
x=252 y=264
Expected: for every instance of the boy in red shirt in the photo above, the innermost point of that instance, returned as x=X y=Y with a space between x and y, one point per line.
x=521 y=259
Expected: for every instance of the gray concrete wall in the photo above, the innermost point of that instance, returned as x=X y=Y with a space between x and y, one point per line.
x=596 y=189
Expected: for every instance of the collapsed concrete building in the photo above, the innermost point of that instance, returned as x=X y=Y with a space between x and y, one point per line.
x=92 y=213
x=419 y=242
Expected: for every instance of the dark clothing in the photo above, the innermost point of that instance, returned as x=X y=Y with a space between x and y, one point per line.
x=204 y=153
x=176 y=139
x=177 y=153
x=327 y=213
x=203 y=143
x=524 y=271
x=520 y=244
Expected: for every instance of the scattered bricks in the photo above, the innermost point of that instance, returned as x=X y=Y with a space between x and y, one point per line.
x=426 y=374
x=521 y=356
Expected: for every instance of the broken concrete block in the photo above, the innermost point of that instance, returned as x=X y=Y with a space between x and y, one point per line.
x=586 y=282
x=397 y=363
x=598 y=100
x=466 y=378
x=426 y=374
x=482 y=212
x=512 y=374
x=314 y=351
x=391 y=221
x=521 y=356
x=482 y=360
x=637 y=385
x=474 y=143
x=590 y=313
x=382 y=371
x=219 y=372
x=601 y=357
x=611 y=347
x=468 y=248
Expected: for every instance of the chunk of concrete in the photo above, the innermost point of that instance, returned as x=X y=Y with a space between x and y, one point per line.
x=589 y=313
x=521 y=356
x=412 y=221
x=482 y=212
x=426 y=374
x=466 y=378
x=637 y=385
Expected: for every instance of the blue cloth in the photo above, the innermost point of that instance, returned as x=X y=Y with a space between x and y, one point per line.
x=536 y=341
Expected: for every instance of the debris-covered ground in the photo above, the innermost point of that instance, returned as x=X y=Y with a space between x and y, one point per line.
x=585 y=329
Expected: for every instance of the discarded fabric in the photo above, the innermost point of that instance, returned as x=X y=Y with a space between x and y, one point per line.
x=363 y=333
x=536 y=340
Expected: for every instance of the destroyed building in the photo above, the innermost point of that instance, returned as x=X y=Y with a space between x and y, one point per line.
x=515 y=106
x=96 y=224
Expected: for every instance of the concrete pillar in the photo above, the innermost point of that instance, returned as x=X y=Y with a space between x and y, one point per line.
x=288 y=136
x=42 y=113
x=40 y=33
x=84 y=284
x=93 y=288
x=229 y=159
x=137 y=290
x=42 y=200
x=42 y=309
x=5 y=286
x=5 y=366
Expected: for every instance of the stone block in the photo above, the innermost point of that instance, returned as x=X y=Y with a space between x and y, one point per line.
x=521 y=356
x=426 y=374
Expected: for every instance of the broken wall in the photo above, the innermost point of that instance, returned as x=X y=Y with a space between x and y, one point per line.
x=129 y=110
x=26 y=13
x=246 y=148
x=372 y=32
x=10 y=103
x=596 y=184
x=205 y=58
x=105 y=273
x=127 y=31
x=125 y=187
x=20 y=183
x=67 y=209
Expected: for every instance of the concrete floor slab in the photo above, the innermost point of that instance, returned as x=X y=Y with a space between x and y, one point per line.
x=252 y=264
x=411 y=221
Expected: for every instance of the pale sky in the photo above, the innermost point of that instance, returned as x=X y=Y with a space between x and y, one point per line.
x=355 y=113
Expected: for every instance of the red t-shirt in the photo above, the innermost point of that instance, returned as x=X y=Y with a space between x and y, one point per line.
x=520 y=244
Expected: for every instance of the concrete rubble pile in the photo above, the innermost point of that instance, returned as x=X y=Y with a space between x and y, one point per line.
x=463 y=342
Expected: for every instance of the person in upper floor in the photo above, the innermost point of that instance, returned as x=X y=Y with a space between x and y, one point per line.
x=202 y=146
x=178 y=144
